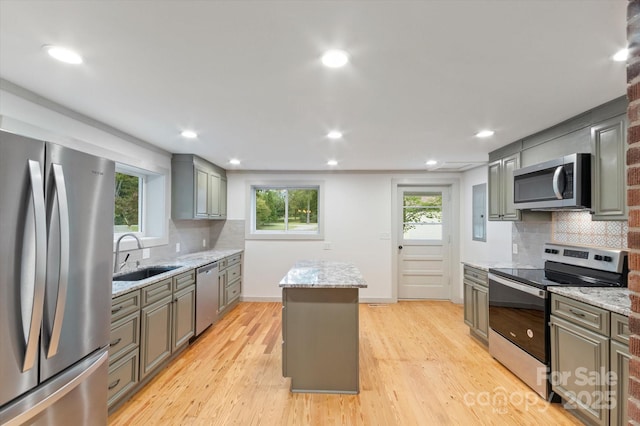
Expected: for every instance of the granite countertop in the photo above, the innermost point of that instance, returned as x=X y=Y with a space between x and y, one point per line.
x=485 y=265
x=184 y=263
x=323 y=274
x=614 y=299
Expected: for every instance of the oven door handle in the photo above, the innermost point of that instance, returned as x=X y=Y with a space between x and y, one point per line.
x=534 y=291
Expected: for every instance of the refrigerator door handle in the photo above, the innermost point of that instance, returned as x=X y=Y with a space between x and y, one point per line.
x=33 y=268
x=63 y=277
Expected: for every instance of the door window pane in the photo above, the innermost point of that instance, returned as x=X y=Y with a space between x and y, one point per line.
x=422 y=216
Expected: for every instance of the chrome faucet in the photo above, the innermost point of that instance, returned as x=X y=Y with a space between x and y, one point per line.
x=115 y=262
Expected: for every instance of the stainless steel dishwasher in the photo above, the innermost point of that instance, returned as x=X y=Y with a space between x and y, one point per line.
x=206 y=296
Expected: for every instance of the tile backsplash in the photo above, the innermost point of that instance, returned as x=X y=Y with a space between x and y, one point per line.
x=565 y=227
x=578 y=228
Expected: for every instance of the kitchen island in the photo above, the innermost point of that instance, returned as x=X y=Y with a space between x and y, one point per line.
x=320 y=326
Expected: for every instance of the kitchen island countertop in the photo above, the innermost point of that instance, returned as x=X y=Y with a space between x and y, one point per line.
x=323 y=274
x=185 y=263
x=614 y=299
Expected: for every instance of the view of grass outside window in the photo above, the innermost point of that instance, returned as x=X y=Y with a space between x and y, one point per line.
x=282 y=210
x=127 y=203
x=422 y=216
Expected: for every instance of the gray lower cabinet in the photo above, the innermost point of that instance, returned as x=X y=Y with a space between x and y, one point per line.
x=608 y=148
x=501 y=206
x=124 y=345
x=476 y=303
x=156 y=334
x=167 y=320
x=589 y=367
x=229 y=282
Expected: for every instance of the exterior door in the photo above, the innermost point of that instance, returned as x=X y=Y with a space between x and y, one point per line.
x=423 y=245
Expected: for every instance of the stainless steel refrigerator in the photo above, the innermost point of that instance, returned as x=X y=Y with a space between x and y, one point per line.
x=56 y=236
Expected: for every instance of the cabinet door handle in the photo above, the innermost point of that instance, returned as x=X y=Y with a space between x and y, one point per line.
x=116 y=309
x=578 y=314
x=115 y=342
x=114 y=384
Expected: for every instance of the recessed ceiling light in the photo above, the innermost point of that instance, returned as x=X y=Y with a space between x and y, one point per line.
x=63 y=54
x=335 y=58
x=332 y=163
x=189 y=134
x=485 y=133
x=431 y=163
x=334 y=134
x=234 y=161
x=621 y=55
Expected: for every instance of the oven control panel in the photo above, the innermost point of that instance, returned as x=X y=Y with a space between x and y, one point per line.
x=590 y=257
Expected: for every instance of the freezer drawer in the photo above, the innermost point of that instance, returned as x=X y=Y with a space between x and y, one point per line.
x=75 y=397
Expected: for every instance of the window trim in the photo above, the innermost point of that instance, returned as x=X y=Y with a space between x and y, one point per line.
x=154 y=208
x=250 y=228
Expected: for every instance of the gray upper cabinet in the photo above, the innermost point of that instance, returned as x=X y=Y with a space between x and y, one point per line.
x=501 y=206
x=198 y=188
x=608 y=148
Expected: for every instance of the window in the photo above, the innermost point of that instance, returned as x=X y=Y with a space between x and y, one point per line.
x=285 y=211
x=128 y=203
x=141 y=206
x=422 y=216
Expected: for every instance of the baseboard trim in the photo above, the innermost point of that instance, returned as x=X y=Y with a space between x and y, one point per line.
x=279 y=299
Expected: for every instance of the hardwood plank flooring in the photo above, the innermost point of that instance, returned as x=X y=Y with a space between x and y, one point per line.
x=418 y=366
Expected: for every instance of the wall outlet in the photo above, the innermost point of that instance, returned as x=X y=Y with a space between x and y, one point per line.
x=327 y=246
x=146 y=253
x=514 y=248
x=204 y=242
x=177 y=247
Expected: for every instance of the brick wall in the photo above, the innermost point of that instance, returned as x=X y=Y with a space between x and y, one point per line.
x=633 y=200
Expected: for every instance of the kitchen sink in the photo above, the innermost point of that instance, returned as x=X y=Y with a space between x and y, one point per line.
x=144 y=273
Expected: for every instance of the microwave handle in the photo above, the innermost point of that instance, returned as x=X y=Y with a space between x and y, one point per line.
x=556 y=182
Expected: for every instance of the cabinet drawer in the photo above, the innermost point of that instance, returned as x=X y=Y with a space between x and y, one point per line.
x=123 y=375
x=124 y=336
x=154 y=292
x=184 y=280
x=223 y=263
x=620 y=328
x=233 y=291
x=476 y=275
x=233 y=273
x=124 y=305
x=585 y=315
x=232 y=260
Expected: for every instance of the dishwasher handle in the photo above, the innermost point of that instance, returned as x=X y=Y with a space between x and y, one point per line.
x=207 y=268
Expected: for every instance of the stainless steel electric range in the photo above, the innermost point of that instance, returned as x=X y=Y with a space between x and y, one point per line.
x=519 y=305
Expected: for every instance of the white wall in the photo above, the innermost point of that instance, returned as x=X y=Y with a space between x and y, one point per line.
x=497 y=248
x=27 y=114
x=358 y=214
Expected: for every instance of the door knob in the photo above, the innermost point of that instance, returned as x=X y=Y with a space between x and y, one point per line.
x=400 y=247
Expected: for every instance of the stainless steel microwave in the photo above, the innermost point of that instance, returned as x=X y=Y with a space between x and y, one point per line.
x=563 y=183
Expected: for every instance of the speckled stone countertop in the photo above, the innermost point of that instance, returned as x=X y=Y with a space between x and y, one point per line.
x=609 y=298
x=485 y=265
x=323 y=274
x=184 y=264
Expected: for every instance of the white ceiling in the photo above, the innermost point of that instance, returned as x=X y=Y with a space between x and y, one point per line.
x=424 y=76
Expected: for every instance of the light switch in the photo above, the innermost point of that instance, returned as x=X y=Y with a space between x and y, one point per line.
x=514 y=248
x=177 y=247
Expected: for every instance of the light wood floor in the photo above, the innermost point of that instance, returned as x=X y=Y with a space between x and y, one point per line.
x=418 y=366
